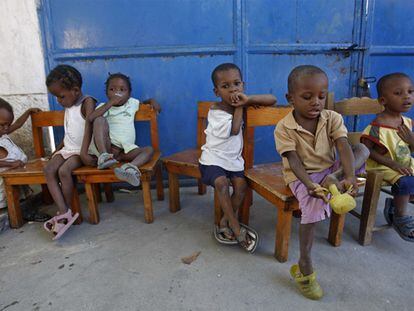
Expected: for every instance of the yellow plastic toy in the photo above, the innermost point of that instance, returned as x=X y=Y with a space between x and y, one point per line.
x=341 y=203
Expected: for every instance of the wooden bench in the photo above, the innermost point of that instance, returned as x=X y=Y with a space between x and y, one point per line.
x=32 y=173
x=92 y=177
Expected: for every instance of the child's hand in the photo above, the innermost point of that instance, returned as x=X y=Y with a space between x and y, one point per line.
x=155 y=105
x=89 y=160
x=33 y=110
x=119 y=99
x=239 y=99
x=406 y=134
x=403 y=170
x=350 y=185
x=315 y=190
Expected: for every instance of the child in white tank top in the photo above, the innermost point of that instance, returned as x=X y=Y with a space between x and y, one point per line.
x=65 y=83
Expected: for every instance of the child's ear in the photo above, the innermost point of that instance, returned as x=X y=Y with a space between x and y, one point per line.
x=216 y=92
x=381 y=100
x=76 y=89
x=289 y=99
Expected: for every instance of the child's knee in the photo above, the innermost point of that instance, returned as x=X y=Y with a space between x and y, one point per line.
x=361 y=151
x=221 y=184
x=64 y=173
x=49 y=170
x=149 y=150
x=100 y=123
x=240 y=186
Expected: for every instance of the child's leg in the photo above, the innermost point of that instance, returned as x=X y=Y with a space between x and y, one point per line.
x=101 y=135
x=361 y=154
x=137 y=156
x=222 y=185
x=239 y=192
x=306 y=236
x=51 y=173
x=66 y=178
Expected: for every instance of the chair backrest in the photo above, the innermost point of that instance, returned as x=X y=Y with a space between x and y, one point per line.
x=262 y=116
x=355 y=106
x=56 y=118
x=202 y=113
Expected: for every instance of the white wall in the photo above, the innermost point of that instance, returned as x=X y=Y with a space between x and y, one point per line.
x=22 y=71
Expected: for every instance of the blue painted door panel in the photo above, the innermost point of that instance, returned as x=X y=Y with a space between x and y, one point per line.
x=389 y=41
x=170 y=47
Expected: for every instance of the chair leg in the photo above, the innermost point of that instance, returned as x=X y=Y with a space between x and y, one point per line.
x=283 y=228
x=46 y=197
x=109 y=193
x=75 y=206
x=201 y=187
x=372 y=193
x=13 y=206
x=160 y=186
x=244 y=213
x=336 y=227
x=218 y=212
x=146 y=192
x=92 y=204
x=97 y=191
x=174 y=192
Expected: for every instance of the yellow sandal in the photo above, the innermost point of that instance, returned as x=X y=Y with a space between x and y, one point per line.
x=307 y=285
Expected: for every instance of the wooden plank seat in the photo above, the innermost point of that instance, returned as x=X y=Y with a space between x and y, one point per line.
x=91 y=176
x=32 y=173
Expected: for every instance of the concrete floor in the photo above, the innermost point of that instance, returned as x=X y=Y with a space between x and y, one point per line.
x=125 y=264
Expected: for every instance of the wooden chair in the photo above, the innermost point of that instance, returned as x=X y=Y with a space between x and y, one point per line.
x=186 y=162
x=267 y=180
x=374 y=180
x=92 y=177
x=32 y=173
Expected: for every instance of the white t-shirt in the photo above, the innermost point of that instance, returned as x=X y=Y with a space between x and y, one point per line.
x=221 y=148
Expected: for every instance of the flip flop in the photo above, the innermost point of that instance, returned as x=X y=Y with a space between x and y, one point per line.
x=48 y=225
x=389 y=211
x=242 y=238
x=106 y=160
x=63 y=222
x=129 y=173
x=220 y=237
x=404 y=226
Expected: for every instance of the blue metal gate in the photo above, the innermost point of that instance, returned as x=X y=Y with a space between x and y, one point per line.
x=169 y=48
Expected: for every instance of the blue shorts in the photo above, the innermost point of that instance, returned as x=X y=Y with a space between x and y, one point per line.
x=403 y=186
x=209 y=174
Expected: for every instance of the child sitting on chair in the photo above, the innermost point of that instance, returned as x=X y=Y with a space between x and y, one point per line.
x=11 y=156
x=307 y=139
x=114 y=130
x=221 y=161
x=391 y=143
x=65 y=82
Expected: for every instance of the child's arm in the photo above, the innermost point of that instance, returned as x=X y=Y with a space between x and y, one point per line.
x=237 y=121
x=242 y=99
x=114 y=101
x=153 y=103
x=20 y=121
x=348 y=165
x=89 y=108
x=375 y=155
x=298 y=169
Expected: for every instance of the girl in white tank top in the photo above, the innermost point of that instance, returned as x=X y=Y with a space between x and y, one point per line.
x=65 y=83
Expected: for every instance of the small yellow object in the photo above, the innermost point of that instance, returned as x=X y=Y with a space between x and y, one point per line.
x=341 y=203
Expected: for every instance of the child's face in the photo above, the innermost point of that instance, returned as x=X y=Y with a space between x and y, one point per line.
x=398 y=95
x=6 y=119
x=67 y=98
x=228 y=83
x=309 y=95
x=117 y=87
